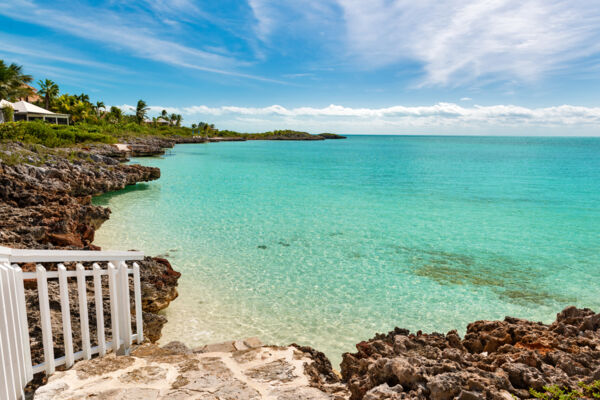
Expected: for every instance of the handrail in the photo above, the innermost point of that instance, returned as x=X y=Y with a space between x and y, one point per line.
x=16 y=368
x=35 y=256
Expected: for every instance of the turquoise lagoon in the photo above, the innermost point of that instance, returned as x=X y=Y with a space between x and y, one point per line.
x=327 y=243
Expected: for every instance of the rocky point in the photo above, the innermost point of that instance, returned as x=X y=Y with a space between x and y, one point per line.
x=496 y=360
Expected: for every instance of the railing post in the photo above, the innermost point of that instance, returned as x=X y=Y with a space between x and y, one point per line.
x=8 y=365
x=4 y=259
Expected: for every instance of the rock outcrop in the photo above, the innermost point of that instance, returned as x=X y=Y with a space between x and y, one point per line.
x=176 y=372
x=45 y=198
x=496 y=360
x=45 y=202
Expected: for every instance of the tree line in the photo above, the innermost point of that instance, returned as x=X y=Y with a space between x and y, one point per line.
x=14 y=85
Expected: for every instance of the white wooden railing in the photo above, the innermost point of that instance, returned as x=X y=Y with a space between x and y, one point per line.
x=16 y=368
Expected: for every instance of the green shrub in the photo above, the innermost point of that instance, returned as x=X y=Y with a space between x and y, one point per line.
x=8 y=113
x=555 y=392
x=51 y=135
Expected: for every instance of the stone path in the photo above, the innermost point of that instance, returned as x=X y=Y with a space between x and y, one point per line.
x=241 y=370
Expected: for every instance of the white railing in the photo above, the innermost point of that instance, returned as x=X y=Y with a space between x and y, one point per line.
x=16 y=368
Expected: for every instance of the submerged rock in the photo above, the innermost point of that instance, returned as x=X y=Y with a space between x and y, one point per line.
x=495 y=360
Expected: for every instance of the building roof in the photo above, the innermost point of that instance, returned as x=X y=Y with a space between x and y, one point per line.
x=25 y=107
x=162 y=121
x=33 y=96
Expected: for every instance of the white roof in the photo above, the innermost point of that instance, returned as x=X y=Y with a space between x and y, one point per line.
x=4 y=103
x=25 y=107
x=161 y=120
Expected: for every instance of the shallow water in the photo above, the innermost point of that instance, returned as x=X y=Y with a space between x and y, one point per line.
x=326 y=243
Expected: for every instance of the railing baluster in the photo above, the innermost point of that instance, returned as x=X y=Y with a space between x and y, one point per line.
x=114 y=311
x=22 y=310
x=45 y=319
x=66 y=315
x=139 y=322
x=21 y=333
x=99 y=309
x=124 y=308
x=83 y=313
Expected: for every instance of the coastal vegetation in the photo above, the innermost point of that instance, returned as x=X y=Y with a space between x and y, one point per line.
x=93 y=122
x=116 y=129
x=13 y=81
x=555 y=392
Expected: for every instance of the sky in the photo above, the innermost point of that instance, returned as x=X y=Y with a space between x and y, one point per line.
x=498 y=67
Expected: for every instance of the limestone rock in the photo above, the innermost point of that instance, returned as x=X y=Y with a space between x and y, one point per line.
x=495 y=360
x=172 y=372
x=45 y=203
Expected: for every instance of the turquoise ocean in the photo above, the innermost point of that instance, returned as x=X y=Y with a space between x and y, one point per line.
x=326 y=243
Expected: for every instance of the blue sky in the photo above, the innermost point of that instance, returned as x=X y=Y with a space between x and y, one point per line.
x=349 y=66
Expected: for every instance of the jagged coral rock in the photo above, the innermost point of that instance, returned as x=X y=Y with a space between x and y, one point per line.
x=495 y=359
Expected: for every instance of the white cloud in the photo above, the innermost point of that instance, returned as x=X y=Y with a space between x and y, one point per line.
x=304 y=20
x=48 y=51
x=457 y=42
x=133 y=35
x=466 y=99
x=439 y=117
x=264 y=18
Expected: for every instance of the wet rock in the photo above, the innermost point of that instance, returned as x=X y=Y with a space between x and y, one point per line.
x=177 y=348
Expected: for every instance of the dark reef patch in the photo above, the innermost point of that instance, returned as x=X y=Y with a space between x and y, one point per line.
x=509 y=280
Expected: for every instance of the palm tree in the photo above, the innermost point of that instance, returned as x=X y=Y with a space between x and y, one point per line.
x=79 y=110
x=99 y=105
x=49 y=90
x=164 y=115
x=115 y=115
x=172 y=119
x=140 y=111
x=83 y=98
x=13 y=81
x=178 y=119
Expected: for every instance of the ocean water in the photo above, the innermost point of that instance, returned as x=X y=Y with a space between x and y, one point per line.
x=327 y=243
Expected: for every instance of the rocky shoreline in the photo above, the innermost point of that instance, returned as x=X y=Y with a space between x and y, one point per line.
x=45 y=202
x=496 y=360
